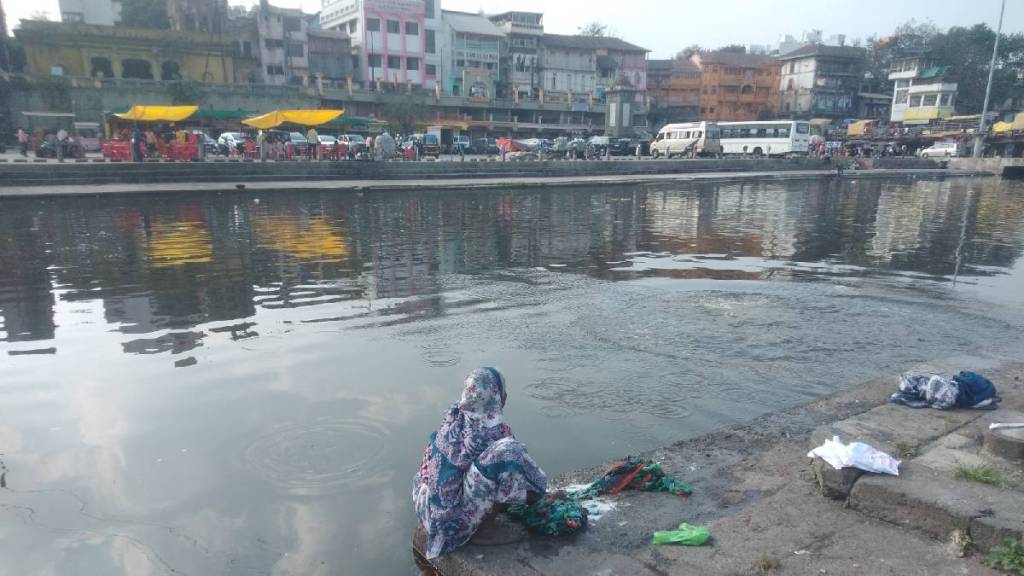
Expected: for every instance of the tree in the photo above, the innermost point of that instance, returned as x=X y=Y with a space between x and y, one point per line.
x=967 y=51
x=690 y=50
x=736 y=48
x=145 y=14
x=594 y=29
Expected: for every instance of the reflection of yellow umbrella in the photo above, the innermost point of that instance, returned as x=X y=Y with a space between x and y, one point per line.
x=158 y=113
x=310 y=240
x=177 y=243
x=300 y=117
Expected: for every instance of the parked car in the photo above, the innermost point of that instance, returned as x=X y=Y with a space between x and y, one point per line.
x=621 y=147
x=484 y=146
x=88 y=135
x=940 y=150
x=599 y=144
x=461 y=142
x=209 y=144
x=228 y=140
x=431 y=146
x=356 y=143
x=327 y=141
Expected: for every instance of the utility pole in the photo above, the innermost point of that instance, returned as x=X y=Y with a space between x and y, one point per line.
x=979 y=138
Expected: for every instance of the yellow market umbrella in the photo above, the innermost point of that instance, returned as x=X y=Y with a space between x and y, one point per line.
x=300 y=117
x=158 y=113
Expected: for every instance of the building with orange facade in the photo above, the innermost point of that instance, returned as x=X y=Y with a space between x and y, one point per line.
x=735 y=86
x=673 y=90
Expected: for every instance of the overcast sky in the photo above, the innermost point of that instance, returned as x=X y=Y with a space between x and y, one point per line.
x=667 y=26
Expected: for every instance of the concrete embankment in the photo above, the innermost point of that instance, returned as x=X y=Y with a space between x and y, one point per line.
x=70 y=173
x=762 y=499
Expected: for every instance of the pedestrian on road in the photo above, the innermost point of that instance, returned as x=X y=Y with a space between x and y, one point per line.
x=314 y=143
x=137 y=139
x=62 y=137
x=369 y=147
x=261 y=145
x=639 y=149
x=23 y=141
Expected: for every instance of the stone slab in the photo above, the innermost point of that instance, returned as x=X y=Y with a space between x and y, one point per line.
x=935 y=503
x=1006 y=443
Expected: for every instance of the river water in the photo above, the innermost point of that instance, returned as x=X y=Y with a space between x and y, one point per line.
x=244 y=384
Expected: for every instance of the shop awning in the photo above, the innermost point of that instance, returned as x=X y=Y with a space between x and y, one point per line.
x=1016 y=125
x=859 y=127
x=158 y=113
x=300 y=117
x=206 y=114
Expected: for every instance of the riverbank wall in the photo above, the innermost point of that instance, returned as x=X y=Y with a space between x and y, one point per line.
x=21 y=174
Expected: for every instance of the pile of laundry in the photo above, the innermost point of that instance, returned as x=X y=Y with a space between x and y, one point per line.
x=965 y=390
x=562 y=513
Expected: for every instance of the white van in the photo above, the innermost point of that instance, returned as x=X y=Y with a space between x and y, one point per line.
x=940 y=150
x=690 y=139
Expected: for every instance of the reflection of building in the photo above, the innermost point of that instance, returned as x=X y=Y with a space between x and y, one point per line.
x=819 y=81
x=101 y=12
x=86 y=51
x=737 y=86
x=921 y=92
x=470 y=54
x=520 y=66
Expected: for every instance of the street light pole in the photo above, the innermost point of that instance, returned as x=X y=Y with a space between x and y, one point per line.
x=979 y=138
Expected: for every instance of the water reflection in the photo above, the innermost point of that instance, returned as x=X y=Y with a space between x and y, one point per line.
x=172 y=264
x=239 y=384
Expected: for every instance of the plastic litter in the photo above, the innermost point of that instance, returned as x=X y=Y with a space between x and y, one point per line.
x=686 y=534
x=855 y=455
x=998 y=425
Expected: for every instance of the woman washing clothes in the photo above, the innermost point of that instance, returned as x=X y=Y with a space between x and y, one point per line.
x=472 y=465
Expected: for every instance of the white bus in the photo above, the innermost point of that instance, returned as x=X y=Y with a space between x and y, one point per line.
x=771 y=138
x=688 y=139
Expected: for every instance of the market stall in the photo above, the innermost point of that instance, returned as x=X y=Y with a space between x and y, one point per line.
x=175 y=144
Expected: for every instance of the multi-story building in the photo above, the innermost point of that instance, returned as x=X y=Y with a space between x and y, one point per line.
x=673 y=89
x=736 y=86
x=821 y=81
x=433 y=27
x=470 y=55
x=520 y=64
x=283 y=44
x=89 y=51
x=100 y=12
x=921 y=92
x=331 y=60
x=585 y=66
x=198 y=15
x=390 y=36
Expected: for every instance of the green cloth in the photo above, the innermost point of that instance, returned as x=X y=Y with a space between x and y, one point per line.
x=686 y=534
x=633 y=474
x=552 y=515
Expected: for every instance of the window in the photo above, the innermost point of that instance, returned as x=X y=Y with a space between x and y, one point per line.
x=373 y=24
x=412 y=64
x=136 y=68
x=803 y=128
x=714 y=89
x=58 y=70
x=247 y=49
x=170 y=70
x=431 y=70
x=273 y=44
x=292 y=24
x=901 y=96
x=412 y=28
x=428 y=8
x=101 y=68
x=930 y=100
x=395 y=62
x=394 y=27
x=947 y=100
x=915 y=100
x=711 y=110
x=275 y=70
x=373 y=60
x=296 y=50
x=352 y=26
x=552 y=81
x=460 y=63
x=72 y=17
x=430 y=42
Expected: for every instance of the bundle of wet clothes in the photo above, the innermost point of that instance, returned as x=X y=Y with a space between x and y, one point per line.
x=561 y=513
x=965 y=390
